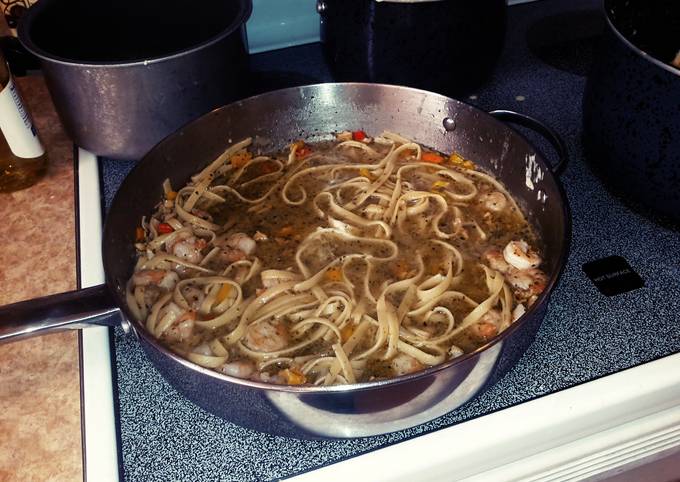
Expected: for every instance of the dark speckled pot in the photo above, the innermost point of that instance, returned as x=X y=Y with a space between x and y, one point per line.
x=446 y=46
x=632 y=105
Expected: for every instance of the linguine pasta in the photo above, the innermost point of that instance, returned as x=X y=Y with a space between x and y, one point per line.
x=338 y=262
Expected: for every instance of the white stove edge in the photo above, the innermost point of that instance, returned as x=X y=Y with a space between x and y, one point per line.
x=100 y=445
x=589 y=431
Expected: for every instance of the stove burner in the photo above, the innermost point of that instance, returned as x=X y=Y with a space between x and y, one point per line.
x=568 y=41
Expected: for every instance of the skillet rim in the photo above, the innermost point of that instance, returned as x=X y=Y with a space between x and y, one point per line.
x=543 y=299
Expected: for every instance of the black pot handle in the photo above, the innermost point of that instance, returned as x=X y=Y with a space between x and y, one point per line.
x=65 y=311
x=547 y=132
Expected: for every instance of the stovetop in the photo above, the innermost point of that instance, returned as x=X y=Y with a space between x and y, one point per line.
x=585 y=335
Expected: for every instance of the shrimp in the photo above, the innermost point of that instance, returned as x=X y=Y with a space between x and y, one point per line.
x=238 y=369
x=181 y=331
x=199 y=213
x=487 y=327
x=162 y=278
x=182 y=327
x=238 y=246
x=455 y=352
x=403 y=364
x=189 y=249
x=268 y=378
x=520 y=255
x=344 y=136
x=203 y=349
x=518 y=312
x=496 y=261
x=267 y=336
x=494 y=201
x=243 y=242
x=230 y=255
x=527 y=283
x=151 y=295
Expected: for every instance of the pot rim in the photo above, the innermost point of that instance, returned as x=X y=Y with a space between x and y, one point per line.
x=540 y=302
x=638 y=51
x=246 y=9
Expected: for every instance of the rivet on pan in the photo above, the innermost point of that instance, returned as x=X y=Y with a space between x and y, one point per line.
x=449 y=124
x=127 y=326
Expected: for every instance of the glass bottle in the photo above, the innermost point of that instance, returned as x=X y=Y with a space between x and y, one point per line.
x=22 y=157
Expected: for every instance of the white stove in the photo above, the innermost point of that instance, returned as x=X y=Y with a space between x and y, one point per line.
x=592 y=430
x=589 y=431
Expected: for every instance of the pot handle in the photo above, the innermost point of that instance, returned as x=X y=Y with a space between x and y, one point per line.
x=66 y=311
x=547 y=132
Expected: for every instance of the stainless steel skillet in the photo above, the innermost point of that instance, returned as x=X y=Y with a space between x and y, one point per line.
x=312 y=112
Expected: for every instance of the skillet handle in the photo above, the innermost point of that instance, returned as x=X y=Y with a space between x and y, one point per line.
x=66 y=311
x=547 y=132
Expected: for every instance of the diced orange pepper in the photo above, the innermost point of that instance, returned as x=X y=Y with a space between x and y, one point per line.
x=434 y=267
x=224 y=292
x=165 y=228
x=346 y=332
x=139 y=234
x=241 y=158
x=366 y=173
x=171 y=195
x=334 y=274
x=439 y=185
x=458 y=160
x=293 y=376
x=286 y=231
x=401 y=269
x=455 y=158
x=432 y=157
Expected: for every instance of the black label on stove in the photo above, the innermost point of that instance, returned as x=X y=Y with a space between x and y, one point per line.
x=613 y=275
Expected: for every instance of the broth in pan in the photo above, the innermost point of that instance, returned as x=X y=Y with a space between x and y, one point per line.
x=331 y=263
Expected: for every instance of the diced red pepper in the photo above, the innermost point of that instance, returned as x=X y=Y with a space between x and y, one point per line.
x=165 y=228
x=303 y=152
x=432 y=157
x=358 y=135
x=267 y=168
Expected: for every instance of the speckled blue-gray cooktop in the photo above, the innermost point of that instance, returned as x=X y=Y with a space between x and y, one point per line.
x=585 y=335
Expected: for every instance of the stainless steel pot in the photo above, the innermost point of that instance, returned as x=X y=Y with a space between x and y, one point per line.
x=125 y=74
x=312 y=112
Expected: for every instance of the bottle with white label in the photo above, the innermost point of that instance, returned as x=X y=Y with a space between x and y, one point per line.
x=22 y=156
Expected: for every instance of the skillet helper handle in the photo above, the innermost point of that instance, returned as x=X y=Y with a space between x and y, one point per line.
x=66 y=311
x=547 y=132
